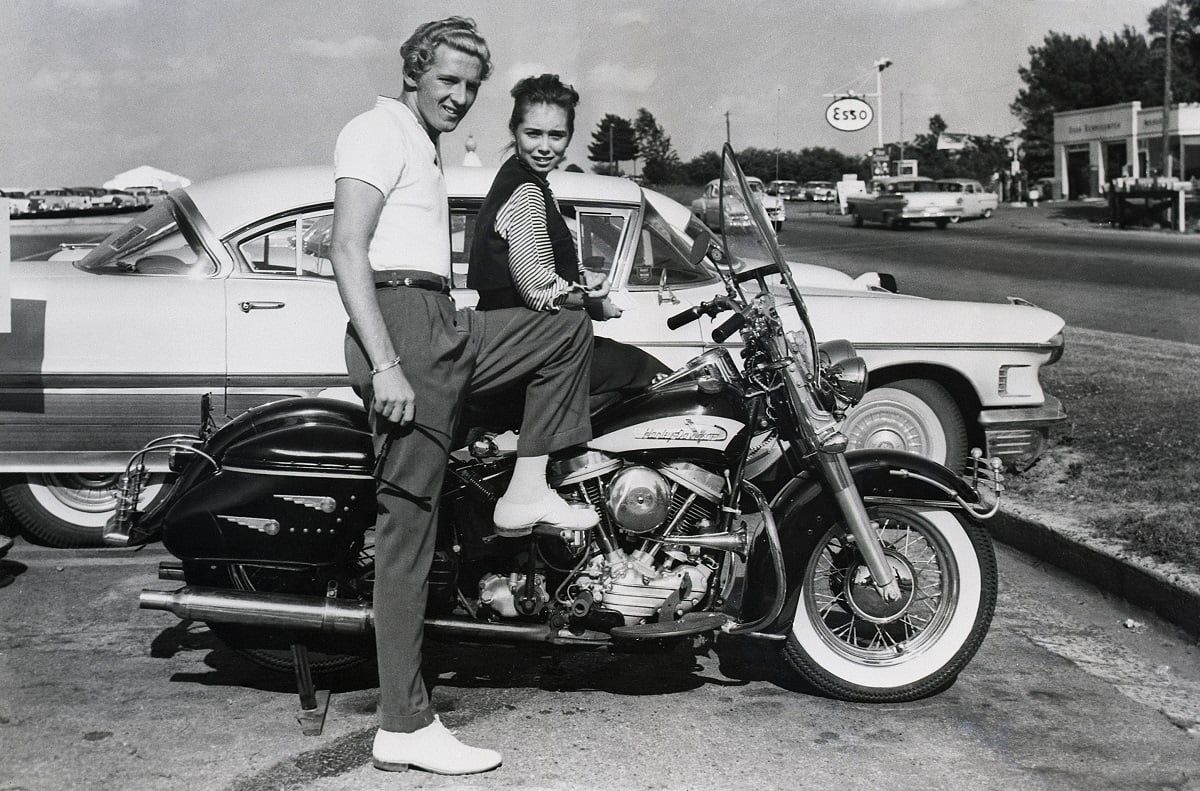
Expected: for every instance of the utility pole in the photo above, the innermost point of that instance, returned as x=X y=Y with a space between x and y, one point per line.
x=1166 y=110
x=612 y=169
x=880 y=65
x=777 y=134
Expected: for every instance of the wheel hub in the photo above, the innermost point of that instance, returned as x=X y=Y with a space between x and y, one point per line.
x=865 y=600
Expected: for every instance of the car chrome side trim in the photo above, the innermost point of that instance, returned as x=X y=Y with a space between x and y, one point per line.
x=1050 y=412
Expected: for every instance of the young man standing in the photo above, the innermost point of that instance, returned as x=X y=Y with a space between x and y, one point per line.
x=413 y=358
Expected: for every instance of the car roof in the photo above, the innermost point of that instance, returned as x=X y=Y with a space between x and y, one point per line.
x=957 y=181
x=231 y=202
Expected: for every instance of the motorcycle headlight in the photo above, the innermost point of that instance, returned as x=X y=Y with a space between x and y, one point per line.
x=844 y=370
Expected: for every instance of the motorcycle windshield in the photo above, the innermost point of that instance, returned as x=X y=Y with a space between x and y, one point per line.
x=749 y=240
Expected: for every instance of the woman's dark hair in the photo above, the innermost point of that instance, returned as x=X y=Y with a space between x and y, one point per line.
x=542 y=89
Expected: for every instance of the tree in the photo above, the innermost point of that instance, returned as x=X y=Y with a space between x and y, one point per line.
x=1071 y=73
x=1185 y=46
x=613 y=142
x=660 y=163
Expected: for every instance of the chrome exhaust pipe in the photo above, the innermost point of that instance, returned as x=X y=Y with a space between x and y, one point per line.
x=310 y=613
x=267 y=610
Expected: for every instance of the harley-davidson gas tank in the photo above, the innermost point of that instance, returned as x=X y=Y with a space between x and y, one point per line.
x=702 y=420
x=295 y=485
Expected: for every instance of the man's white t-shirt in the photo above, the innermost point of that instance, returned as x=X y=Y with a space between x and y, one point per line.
x=387 y=148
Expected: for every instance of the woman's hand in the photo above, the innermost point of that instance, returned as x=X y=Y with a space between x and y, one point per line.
x=394 y=396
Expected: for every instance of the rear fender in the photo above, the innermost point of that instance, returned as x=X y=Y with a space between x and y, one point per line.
x=804 y=510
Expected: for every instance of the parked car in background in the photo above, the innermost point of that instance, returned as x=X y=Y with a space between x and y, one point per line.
x=783 y=188
x=226 y=288
x=18 y=202
x=102 y=198
x=146 y=195
x=976 y=201
x=819 y=191
x=899 y=201
x=708 y=206
x=54 y=199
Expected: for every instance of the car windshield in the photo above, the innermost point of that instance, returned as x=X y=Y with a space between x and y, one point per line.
x=156 y=243
x=755 y=186
x=661 y=249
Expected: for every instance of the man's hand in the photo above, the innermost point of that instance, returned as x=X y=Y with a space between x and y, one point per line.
x=394 y=396
x=602 y=309
x=597 y=284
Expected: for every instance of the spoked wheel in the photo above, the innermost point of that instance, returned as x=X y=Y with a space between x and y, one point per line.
x=851 y=644
x=271 y=648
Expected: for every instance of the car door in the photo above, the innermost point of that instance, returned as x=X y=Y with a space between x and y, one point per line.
x=285 y=323
x=652 y=281
x=970 y=200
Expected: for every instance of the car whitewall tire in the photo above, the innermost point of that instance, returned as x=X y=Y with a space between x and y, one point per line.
x=914 y=415
x=70 y=509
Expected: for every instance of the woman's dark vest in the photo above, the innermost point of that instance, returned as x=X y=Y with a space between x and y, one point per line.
x=488 y=273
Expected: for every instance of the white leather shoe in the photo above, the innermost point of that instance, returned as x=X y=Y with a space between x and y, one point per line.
x=518 y=519
x=434 y=749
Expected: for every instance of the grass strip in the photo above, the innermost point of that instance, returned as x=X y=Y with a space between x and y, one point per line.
x=1127 y=466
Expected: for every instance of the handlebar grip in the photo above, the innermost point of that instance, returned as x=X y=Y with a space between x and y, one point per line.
x=728 y=327
x=684 y=317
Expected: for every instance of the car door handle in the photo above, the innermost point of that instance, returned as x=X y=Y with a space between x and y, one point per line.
x=249 y=306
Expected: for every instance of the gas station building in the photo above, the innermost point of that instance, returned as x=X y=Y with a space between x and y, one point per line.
x=1094 y=146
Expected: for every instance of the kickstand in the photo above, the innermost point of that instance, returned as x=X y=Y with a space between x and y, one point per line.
x=313 y=703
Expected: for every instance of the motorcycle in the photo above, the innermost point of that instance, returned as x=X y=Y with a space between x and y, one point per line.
x=728 y=506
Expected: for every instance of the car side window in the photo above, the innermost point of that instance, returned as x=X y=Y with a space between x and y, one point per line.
x=275 y=250
x=462 y=235
x=598 y=234
x=660 y=250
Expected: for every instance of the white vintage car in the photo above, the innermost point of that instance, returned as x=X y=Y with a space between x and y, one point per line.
x=223 y=288
x=708 y=206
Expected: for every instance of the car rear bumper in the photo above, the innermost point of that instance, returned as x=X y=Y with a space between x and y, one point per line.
x=1018 y=435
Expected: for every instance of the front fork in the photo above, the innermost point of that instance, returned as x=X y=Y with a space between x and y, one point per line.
x=841 y=485
x=820 y=431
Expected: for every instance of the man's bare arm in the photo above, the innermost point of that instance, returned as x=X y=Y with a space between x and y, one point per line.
x=356 y=209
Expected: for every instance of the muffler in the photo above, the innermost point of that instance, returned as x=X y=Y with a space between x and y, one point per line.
x=268 y=610
x=309 y=613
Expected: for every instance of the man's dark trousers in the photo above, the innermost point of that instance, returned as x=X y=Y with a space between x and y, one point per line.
x=447 y=354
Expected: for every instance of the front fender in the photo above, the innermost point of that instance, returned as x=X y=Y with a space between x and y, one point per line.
x=804 y=510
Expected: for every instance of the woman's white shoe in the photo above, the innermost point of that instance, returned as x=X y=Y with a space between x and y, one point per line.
x=432 y=748
x=514 y=519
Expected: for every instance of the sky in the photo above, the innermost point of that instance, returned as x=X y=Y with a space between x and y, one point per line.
x=91 y=88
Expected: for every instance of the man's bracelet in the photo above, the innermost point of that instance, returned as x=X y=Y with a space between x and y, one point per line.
x=385 y=366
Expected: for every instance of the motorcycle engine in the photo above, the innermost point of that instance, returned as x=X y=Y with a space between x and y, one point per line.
x=640 y=506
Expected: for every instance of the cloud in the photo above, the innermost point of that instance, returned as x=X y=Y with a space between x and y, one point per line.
x=612 y=76
x=629 y=18
x=356 y=48
x=99 y=6
x=172 y=73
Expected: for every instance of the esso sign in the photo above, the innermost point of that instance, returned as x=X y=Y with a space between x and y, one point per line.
x=849 y=114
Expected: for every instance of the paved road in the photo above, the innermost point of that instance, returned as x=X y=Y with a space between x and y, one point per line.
x=97 y=695
x=1137 y=282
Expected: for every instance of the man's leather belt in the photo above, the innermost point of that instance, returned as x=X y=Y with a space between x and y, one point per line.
x=426 y=281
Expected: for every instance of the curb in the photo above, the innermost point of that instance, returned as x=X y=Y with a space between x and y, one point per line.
x=1137 y=585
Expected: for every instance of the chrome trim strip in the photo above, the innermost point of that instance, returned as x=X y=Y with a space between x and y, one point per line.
x=1049 y=413
x=301 y=473
x=72 y=461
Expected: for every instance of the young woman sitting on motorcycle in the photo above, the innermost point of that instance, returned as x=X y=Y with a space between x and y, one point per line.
x=523 y=252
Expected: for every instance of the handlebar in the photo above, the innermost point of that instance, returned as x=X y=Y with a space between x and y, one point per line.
x=731 y=325
x=710 y=308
